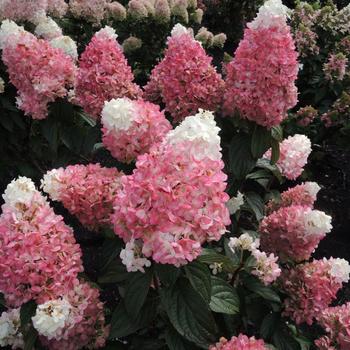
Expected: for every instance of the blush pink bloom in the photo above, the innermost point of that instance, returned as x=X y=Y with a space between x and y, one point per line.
x=40 y=72
x=294 y=152
x=335 y=68
x=175 y=200
x=86 y=191
x=311 y=288
x=39 y=256
x=103 y=73
x=294 y=232
x=91 y=10
x=306 y=115
x=304 y=194
x=22 y=10
x=242 y=342
x=260 y=81
x=336 y=322
x=130 y=128
x=86 y=323
x=185 y=80
x=57 y=8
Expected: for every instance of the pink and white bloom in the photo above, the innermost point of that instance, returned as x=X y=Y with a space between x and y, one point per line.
x=175 y=200
x=294 y=152
x=103 y=73
x=242 y=342
x=131 y=128
x=185 y=80
x=260 y=81
x=10 y=334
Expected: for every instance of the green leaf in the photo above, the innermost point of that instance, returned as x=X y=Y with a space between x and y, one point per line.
x=256 y=204
x=261 y=141
x=168 y=274
x=224 y=298
x=115 y=273
x=199 y=277
x=277 y=133
x=136 y=291
x=49 y=128
x=89 y=120
x=122 y=325
x=27 y=312
x=241 y=158
x=269 y=325
x=266 y=164
x=254 y=285
x=189 y=314
x=174 y=340
x=209 y=256
x=284 y=341
x=30 y=338
x=275 y=151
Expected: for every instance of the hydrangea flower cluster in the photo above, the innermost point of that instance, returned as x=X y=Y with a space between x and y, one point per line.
x=39 y=256
x=336 y=322
x=294 y=152
x=130 y=128
x=266 y=267
x=242 y=342
x=339 y=112
x=175 y=199
x=306 y=115
x=91 y=10
x=335 y=68
x=103 y=73
x=74 y=322
x=22 y=10
x=311 y=287
x=86 y=191
x=304 y=194
x=185 y=80
x=40 y=72
x=10 y=334
x=294 y=232
x=260 y=82
x=235 y=203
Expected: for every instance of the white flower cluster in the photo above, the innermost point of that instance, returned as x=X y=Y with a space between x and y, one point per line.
x=266 y=267
x=178 y=30
x=244 y=242
x=19 y=191
x=340 y=269
x=47 y=29
x=317 y=222
x=312 y=188
x=202 y=132
x=109 y=31
x=235 y=203
x=51 y=183
x=52 y=317
x=10 y=334
x=132 y=257
x=67 y=45
x=272 y=14
x=118 y=114
x=9 y=29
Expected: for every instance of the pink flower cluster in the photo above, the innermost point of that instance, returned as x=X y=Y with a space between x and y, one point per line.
x=86 y=191
x=103 y=73
x=40 y=72
x=86 y=328
x=260 y=82
x=185 y=80
x=91 y=10
x=294 y=152
x=130 y=128
x=306 y=115
x=242 y=342
x=336 y=322
x=304 y=194
x=335 y=68
x=39 y=256
x=21 y=10
x=311 y=288
x=294 y=232
x=57 y=8
x=175 y=199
